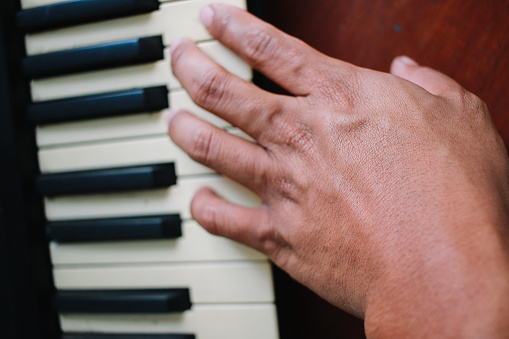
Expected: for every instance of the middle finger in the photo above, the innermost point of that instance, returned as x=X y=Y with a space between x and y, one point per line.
x=213 y=88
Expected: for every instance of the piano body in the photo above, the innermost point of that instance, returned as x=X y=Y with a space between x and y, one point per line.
x=96 y=236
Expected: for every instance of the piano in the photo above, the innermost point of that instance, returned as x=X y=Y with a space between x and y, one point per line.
x=96 y=236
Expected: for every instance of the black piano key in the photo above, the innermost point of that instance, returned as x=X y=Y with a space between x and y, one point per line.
x=79 y=12
x=125 y=336
x=151 y=227
x=100 y=105
x=123 y=301
x=115 y=54
x=107 y=180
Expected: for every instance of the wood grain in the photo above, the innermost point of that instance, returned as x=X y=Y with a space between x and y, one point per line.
x=465 y=39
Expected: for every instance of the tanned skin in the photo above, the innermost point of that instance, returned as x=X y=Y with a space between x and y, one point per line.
x=386 y=194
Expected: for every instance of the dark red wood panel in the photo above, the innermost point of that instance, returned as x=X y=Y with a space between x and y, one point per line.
x=466 y=39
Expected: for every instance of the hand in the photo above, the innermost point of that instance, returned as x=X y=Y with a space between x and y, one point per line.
x=385 y=194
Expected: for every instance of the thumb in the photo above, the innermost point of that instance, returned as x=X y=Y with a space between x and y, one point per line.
x=431 y=80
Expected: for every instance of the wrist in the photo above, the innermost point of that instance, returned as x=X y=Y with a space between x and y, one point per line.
x=442 y=291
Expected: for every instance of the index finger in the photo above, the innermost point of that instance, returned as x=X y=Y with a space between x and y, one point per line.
x=281 y=57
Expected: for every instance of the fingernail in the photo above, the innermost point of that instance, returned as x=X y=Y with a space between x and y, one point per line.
x=206 y=16
x=408 y=61
x=175 y=44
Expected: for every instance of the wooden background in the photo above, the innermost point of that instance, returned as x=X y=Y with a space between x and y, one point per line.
x=466 y=39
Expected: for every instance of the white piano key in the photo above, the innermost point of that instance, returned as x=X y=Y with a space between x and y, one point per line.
x=25 y=4
x=226 y=282
x=137 y=125
x=130 y=152
x=152 y=150
x=255 y=321
x=146 y=75
x=173 y=20
x=195 y=245
x=175 y=199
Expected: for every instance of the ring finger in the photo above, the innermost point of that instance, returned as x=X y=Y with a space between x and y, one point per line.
x=238 y=159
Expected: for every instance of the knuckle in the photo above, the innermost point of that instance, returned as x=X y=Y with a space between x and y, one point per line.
x=283 y=187
x=466 y=100
x=201 y=145
x=273 y=113
x=262 y=177
x=264 y=46
x=297 y=60
x=476 y=102
x=268 y=238
x=266 y=232
x=264 y=174
x=286 y=189
x=267 y=235
x=477 y=106
x=297 y=137
x=273 y=243
x=258 y=46
x=208 y=89
x=341 y=88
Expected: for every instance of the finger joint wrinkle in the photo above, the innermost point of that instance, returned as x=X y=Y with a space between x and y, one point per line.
x=201 y=145
x=258 y=46
x=209 y=89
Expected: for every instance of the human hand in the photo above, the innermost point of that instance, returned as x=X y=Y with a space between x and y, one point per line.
x=385 y=194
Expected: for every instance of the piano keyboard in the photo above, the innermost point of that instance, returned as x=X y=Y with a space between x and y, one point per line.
x=128 y=260
x=121 y=127
x=126 y=152
x=120 y=78
x=246 y=321
x=194 y=245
